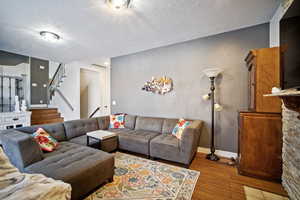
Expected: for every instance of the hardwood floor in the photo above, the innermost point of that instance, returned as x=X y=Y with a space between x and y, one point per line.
x=220 y=181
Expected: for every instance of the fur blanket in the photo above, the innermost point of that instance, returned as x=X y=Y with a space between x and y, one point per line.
x=21 y=186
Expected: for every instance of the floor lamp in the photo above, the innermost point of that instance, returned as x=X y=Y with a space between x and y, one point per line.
x=212 y=74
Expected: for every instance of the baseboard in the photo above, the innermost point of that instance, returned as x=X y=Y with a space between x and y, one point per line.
x=226 y=154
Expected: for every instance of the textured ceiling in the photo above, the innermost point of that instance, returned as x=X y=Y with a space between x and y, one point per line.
x=90 y=30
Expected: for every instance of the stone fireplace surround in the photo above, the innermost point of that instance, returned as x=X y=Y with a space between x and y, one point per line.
x=291 y=142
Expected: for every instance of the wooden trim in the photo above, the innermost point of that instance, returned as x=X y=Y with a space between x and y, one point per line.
x=244 y=173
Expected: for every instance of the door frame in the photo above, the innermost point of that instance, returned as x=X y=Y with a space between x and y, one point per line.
x=107 y=92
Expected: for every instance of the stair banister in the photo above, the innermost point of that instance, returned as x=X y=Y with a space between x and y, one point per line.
x=55 y=82
x=95 y=111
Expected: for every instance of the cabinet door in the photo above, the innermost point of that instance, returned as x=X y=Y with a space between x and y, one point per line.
x=260 y=145
x=268 y=76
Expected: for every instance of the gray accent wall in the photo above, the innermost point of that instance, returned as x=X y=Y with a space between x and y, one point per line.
x=184 y=63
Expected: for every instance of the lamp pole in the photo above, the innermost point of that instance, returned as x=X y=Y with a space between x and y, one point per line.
x=212 y=156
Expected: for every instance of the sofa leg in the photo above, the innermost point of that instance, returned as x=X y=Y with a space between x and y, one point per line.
x=152 y=158
x=110 y=180
x=148 y=157
x=186 y=166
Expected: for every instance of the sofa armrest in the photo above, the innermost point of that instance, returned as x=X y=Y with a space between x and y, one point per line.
x=190 y=137
x=21 y=149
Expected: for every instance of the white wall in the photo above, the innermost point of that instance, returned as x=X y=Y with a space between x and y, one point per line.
x=275 y=23
x=71 y=89
x=92 y=91
x=52 y=68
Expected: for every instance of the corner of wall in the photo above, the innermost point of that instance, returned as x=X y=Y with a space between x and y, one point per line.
x=275 y=22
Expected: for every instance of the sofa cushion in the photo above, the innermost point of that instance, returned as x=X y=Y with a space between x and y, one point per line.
x=77 y=128
x=103 y=122
x=149 y=124
x=136 y=140
x=56 y=130
x=166 y=147
x=169 y=125
x=130 y=121
x=121 y=130
x=83 y=167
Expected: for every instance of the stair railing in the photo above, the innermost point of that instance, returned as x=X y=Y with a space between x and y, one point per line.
x=56 y=82
x=95 y=111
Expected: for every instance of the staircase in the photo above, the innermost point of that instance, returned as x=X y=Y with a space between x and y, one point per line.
x=51 y=115
x=45 y=116
x=55 y=84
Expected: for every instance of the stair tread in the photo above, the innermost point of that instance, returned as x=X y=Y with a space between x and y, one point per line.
x=42 y=108
x=47 y=119
x=41 y=116
x=35 y=122
x=40 y=111
x=46 y=116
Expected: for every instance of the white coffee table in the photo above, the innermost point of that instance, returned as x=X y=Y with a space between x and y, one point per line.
x=100 y=135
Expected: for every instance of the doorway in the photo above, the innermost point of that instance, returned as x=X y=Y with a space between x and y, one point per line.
x=92 y=92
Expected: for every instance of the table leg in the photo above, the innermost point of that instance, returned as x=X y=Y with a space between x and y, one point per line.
x=87 y=140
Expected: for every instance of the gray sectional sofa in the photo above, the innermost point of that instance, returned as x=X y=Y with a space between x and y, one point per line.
x=87 y=168
x=83 y=167
x=152 y=137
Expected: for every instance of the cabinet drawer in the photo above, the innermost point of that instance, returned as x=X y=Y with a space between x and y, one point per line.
x=15 y=119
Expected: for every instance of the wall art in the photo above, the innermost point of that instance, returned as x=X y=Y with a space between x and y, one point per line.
x=160 y=85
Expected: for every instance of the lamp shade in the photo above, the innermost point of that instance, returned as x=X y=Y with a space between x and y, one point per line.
x=118 y=4
x=218 y=107
x=212 y=72
x=206 y=97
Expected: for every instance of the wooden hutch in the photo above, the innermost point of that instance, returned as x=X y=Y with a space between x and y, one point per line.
x=260 y=127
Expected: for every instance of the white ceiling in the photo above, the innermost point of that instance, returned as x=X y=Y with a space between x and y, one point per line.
x=90 y=30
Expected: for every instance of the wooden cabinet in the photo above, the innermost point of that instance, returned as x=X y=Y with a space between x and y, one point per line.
x=264 y=73
x=10 y=120
x=260 y=143
x=260 y=131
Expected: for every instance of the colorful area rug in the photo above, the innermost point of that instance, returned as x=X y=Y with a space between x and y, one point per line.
x=137 y=178
x=257 y=194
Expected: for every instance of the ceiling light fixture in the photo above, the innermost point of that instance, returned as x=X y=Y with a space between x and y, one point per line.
x=118 y=4
x=49 y=36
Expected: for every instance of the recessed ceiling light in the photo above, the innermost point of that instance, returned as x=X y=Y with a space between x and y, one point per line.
x=49 y=36
x=118 y=4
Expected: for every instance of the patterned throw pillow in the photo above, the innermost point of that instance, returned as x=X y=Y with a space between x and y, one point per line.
x=46 y=141
x=179 y=128
x=117 y=121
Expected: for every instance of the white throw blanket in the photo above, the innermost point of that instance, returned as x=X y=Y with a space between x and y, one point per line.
x=15 y=185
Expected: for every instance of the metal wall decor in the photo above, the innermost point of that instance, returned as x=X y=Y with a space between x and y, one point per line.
x=160 y=85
